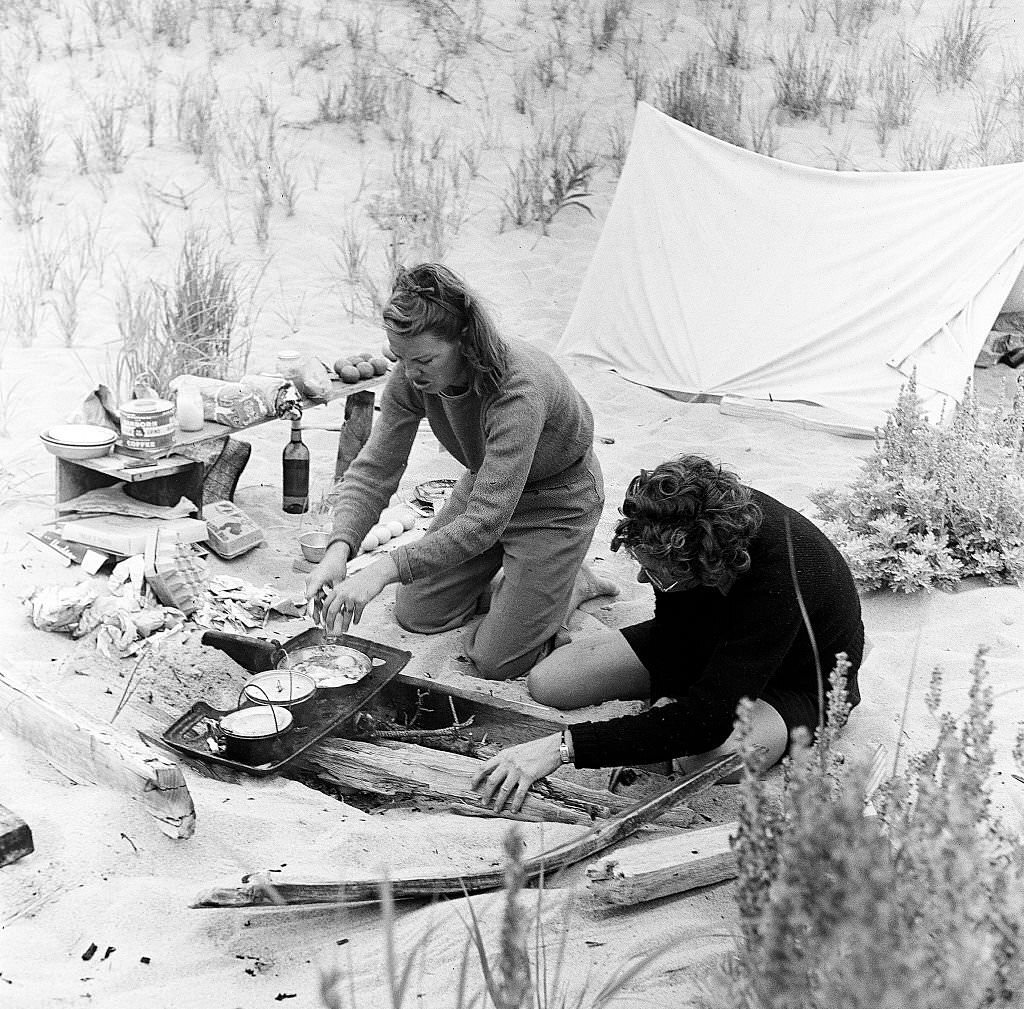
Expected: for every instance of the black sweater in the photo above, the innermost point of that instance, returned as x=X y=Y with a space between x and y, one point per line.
x=734 y=645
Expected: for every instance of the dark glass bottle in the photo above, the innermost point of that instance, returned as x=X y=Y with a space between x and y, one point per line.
x=296 y=471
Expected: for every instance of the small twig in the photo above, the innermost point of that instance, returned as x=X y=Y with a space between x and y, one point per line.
x=130 y=841
x=133 y=682
x=411 y=735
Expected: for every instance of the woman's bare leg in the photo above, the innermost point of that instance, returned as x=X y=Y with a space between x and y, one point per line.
x=591 y=669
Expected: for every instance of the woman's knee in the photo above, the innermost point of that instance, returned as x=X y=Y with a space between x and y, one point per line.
x=413 y=613
x=493 y=665
x=546 y=686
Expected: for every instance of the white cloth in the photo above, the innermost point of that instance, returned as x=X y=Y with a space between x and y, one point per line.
x=723 y=272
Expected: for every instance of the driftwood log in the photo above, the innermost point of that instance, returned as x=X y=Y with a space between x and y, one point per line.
x=405 y=769
x=15 y=837
x=90 y=751
x=264 y=889
x=665 y=866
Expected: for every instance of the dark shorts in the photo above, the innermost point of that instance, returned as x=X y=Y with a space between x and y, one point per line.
x=660 y=657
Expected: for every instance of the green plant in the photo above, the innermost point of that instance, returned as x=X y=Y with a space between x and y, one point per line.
x=916 y=907
x=730 y=39
x=194 y=118
x=427 y=196
x=552 y=173
x=809 y=10
x=200 y=308
x=894 y=93
x=928 y=151
x=706 y=96
x=184 y=327
x=956 y=54
x=359 y=98
x=852 y=18
x=109 y=121
x=514 y=976
x=935 y=503
x=604 y=25
x=803 y=78
x=26 y=147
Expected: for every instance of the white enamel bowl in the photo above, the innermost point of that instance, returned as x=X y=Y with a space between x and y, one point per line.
x=78 y=441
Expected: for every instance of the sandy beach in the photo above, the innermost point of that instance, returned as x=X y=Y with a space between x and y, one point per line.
x=102 y=874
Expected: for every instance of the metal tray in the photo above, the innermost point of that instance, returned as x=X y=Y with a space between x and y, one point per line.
x=191 y=733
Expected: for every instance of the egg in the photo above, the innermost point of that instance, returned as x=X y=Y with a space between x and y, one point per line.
x=395 y=527
x=382 y=532
x=370 y=542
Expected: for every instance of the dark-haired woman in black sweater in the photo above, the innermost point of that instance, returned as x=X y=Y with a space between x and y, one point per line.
x=727 y=625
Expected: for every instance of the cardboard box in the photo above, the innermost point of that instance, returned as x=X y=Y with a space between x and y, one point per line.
x=127 y=534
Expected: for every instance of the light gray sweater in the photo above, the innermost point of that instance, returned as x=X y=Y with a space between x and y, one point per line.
x=535 y=427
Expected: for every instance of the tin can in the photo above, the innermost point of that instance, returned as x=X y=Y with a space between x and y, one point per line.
x=147 y=427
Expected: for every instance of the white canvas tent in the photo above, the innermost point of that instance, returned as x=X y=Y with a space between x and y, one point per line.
x=723 y=273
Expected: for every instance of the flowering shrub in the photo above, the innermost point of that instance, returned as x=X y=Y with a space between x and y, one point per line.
x=935 y=503
x=916 y=907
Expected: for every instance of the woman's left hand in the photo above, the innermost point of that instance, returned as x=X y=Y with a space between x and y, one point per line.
x=505 y=779
x=344 y=604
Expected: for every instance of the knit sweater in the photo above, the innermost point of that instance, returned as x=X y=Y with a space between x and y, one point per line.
x=736 y=644
x=535 y=427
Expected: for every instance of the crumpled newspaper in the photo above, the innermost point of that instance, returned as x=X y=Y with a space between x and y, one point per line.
x=118 y=611
x=124 y=617
x=60 y=607
x=236 y=605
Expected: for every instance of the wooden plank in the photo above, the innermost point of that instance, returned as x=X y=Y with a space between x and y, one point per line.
x=15 y=837
x=264 y=888
x=668 y=865
x=395 y=768
x=355 y=431
x=90 y=751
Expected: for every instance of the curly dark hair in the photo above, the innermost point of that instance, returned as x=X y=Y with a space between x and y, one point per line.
x=431 y=298
x=694 y=516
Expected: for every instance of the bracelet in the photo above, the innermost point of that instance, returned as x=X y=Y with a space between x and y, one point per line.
x=563 y=750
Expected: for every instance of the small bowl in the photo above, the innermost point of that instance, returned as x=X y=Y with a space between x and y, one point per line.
x=314 y=546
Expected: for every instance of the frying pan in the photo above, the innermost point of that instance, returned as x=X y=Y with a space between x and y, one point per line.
x=330 y=663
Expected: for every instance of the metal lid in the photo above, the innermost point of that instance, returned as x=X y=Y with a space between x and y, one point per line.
x=261 y=722
x=279 y=686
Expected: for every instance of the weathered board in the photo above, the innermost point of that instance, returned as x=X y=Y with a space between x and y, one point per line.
x=90 y=751
x=15 y=837
x=665 y=866
x=262 y=888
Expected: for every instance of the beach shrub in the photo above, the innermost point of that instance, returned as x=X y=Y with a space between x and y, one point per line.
x=915 y=907
x=935 y=503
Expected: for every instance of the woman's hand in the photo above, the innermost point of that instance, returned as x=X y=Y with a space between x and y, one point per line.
x=505 y=779
x=345 y=603
x=329 y=572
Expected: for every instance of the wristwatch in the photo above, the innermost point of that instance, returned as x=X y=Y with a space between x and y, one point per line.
x=563 y=750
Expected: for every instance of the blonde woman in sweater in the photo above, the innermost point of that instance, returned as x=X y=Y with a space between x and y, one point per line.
x=527 y=504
